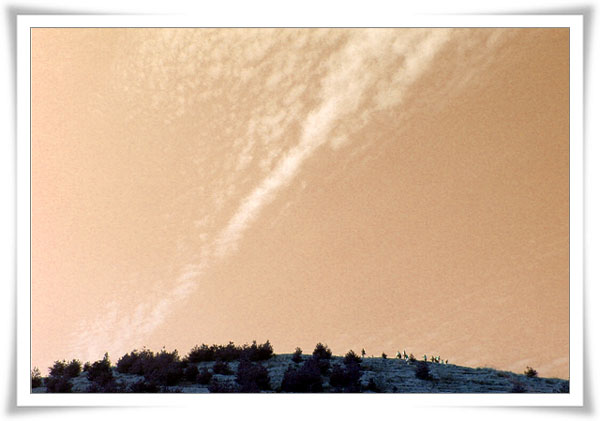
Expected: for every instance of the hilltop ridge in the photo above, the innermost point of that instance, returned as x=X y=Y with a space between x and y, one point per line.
x=255 y=368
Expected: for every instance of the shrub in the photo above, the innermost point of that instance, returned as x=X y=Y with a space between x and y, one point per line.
x=518 y=387
x=422 y=371
x=346 y=378
x=322 y=364
x=36 y=378
x=372 y=386
x=322 y=351
x=264 y=352
x=218 y=387
x=191 y=373
x=108 y=386
x=165 y=368
x=256 y=352
x=252 y=378
x=297 y=357
x=384 y=355
x=530 y=372
x=221 y=367
x=201 y=353
x=73 y=369
x=142 y=386
x=100 y=372
x=306 y=379
x=58 y=384
x=135 y=362
x=58 y=369
x=61 y=368
x=204 y=376
x=352 y=358
x=228 y=352
x=60 y=374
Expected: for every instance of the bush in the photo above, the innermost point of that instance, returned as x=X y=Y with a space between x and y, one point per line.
x=530 y=372
x=201 y=354
x=191 y=373
x=221 y=367
x=322 y=351
x=264 y=352
x=346 y=378
x=256 y=352
x=422 y=371
x=61 y=368
x=58 y=369
x=297 y=355
x=36 y=378
x=518 y=387
x=60 y=374
x=372 y=386
x=322 y=364
x=100 y=372
x=58 y=384
x=252 y=378
x=228 y=352
x=306 y=379
x=352 y=358
x=108 y=386
x=204 y=376
x=142 y=386
x=384 y=355
x=165 y=368
x=135 y=362
x=218 y=387
x=73 y=369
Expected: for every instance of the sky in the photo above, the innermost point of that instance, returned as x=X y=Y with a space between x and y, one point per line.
x=384 y=189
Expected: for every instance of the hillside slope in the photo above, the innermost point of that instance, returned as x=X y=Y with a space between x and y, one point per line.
x=371 y=375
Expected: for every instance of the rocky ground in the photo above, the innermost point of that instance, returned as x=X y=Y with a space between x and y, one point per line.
x=389 y=375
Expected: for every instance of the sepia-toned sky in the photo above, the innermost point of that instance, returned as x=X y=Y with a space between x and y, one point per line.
x=384 y=189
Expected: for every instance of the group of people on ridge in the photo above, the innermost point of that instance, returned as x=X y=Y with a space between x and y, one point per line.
x=404 y=356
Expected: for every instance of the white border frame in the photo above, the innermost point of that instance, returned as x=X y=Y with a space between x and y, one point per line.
x=24 y=395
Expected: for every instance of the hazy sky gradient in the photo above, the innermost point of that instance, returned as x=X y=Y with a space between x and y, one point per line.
x=378 y=188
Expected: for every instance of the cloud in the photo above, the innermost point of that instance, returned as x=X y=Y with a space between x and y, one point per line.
x=372 y=70
x=343 y=90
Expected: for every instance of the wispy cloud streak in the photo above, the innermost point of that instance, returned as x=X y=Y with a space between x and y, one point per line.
x=356 y=83
x=349 y=78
